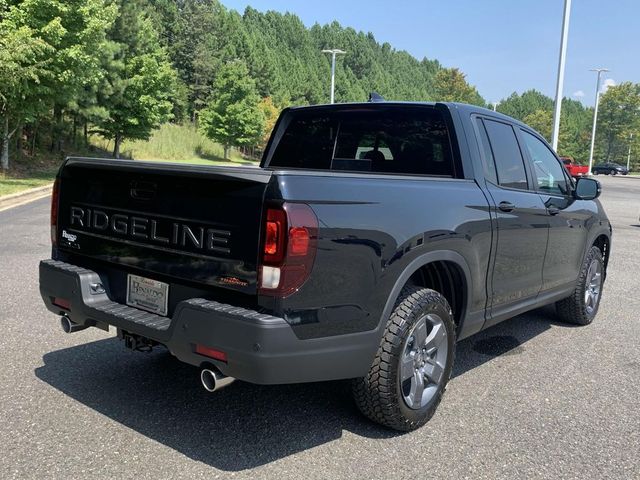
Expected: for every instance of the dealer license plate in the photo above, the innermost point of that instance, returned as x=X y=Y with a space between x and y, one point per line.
x=147 y=294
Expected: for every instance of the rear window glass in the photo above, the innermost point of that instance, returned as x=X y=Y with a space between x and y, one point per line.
x=507 y=155
x=397 y=140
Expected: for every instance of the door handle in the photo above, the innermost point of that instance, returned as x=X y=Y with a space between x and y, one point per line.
x=506 y=206
x=553 y=210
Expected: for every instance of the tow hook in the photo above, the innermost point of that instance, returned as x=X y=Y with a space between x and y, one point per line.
x=136 y=342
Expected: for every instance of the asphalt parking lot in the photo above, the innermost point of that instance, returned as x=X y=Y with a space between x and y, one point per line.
x=529 y=398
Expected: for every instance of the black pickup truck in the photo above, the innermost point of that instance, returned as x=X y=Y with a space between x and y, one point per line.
x=372 y=237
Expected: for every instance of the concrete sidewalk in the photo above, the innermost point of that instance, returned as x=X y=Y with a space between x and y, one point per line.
x=25 y=196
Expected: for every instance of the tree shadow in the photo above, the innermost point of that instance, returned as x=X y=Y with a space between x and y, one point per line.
x=244 y=425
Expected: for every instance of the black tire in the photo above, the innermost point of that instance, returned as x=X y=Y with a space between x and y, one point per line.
x=379 y=395
x=595 y=172
x=573 y=309
x=613 y=172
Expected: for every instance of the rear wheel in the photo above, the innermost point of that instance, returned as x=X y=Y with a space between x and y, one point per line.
x=582 y=306
x=413 y=363
x=613 y=172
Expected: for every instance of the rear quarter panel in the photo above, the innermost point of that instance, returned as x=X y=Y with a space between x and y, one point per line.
x=371 y=228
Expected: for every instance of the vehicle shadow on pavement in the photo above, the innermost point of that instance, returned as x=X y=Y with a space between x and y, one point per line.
x=244 y=425
x=506 y=338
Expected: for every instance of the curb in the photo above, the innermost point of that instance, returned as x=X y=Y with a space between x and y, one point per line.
x=26 y=196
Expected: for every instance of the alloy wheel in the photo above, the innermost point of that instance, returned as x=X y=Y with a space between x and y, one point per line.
x=423 y=361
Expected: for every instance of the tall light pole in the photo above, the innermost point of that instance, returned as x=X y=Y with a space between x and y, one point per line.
x=333 y=52
x=595 y=114
x=560 y=82
x=629 y=154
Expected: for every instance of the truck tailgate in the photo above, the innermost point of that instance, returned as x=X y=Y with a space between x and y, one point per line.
x=199 y=224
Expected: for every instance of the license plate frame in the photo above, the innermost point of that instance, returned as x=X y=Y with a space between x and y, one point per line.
x=147 y=294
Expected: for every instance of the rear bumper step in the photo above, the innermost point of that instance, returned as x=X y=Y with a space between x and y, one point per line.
x=260 y=348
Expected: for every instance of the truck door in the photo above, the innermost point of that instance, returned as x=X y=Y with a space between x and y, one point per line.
x=567 y=217
x=521 y=221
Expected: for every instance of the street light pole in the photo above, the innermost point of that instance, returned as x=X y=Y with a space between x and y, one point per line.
x=595 y=114
x=560 y=82
x=629 y=154
x=333 y=53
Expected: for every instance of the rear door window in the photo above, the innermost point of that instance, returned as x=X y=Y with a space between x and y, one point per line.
x=400 y=140
x=507 y=155
x=488 y=162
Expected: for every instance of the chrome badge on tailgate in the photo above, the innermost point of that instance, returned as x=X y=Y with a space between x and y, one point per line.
x=150 y=230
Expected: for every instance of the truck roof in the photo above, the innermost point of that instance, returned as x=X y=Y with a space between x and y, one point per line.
x=463 y=108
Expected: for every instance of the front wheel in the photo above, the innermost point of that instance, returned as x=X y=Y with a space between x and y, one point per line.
x=613 y=172
x=413 y=364
x=582 y=306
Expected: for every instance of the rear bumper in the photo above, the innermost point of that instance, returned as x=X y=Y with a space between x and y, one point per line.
x=260 y=348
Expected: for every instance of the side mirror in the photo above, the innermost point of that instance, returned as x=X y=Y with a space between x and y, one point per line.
x=587 y=189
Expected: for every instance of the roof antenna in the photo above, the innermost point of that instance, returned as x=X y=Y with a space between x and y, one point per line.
x=375 y=97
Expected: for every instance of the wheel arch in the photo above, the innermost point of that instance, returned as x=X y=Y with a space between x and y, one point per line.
x=603 y=242
x=439 y=270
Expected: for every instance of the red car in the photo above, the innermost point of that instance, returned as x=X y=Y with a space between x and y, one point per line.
x=573 y=168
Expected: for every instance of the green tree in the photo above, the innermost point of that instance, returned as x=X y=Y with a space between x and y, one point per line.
x=451 y=86
x=50 y=50
x=271 y=113
x=76 y=30
x=140 y=82
x=618 y=119
x=541 y=121
x=23 y=66
x=519 y=106
x=233 y=116
x=536 y=110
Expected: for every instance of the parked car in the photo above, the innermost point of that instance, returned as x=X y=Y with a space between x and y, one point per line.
x=575 y=170
x=372 y=238
x=609 y=169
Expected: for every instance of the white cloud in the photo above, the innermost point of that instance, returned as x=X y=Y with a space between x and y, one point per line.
x=578 y=94
x=608 y=82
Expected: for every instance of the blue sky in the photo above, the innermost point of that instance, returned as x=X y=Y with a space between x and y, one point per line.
x=501 y=45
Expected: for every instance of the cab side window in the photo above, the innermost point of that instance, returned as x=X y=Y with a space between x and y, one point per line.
x=488 y=163
x=549 y=172
x=507 y=155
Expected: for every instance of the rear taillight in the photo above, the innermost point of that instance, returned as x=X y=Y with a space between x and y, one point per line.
x=289 y=248
x=274 y=236
x=55 y=194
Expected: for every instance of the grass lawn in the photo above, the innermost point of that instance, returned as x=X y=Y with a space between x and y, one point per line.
x=170 y=143
x=174 y=143
x=10 y=185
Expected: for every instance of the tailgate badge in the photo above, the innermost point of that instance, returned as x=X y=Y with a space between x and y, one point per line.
x=70 y=239
x=233 y=281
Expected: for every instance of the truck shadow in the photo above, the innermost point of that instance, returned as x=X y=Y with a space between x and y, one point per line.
x=245 y=425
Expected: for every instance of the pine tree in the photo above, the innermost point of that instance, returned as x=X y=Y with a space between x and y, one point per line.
x=233 y=116
x=140 y=80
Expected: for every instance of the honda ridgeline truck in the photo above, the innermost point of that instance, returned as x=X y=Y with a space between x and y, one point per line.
x=372 y=237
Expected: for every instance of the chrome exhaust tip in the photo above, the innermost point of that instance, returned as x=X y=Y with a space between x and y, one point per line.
x=68 y=326
x=213 y=380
